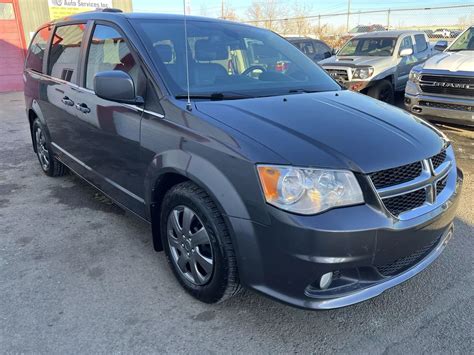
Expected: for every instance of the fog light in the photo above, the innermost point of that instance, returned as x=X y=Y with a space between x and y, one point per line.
x=325 y=281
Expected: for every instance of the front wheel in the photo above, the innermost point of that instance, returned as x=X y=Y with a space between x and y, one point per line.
x=382 y=91
x=49 y=164
x=197 y=244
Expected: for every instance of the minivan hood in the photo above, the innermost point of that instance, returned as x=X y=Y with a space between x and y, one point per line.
x=339 y=130
x=355 y=61
x=451 y=61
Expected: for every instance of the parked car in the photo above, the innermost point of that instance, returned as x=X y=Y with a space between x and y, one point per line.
x=442 y=32
x=442 y=88
x=315 y=49
x=378 y=63
x=280 y=182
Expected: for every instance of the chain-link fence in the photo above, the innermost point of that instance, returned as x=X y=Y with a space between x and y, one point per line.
x=442 y=22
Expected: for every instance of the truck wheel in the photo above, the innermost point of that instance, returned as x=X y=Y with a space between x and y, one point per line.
x=382 y=91
x=197 y=244
x=49 y=164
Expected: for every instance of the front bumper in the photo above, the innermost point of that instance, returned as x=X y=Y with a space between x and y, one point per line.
x=439 y=108
x=286 y=259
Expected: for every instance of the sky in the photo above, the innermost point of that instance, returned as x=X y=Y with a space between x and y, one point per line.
x=318 y=6
x=211 y=8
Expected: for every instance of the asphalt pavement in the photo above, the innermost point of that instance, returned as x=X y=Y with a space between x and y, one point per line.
x=79 y=275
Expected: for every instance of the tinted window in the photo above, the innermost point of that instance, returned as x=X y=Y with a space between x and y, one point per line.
x=38 y=44
x=307 y=48
x=321 y=48
x=108 y=51
x=227 y=57
x=65 y=52
x=420 y=43
x=375 y=47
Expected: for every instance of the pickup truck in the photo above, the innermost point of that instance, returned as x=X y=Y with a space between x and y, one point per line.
x=378 y=63
x=442 y=88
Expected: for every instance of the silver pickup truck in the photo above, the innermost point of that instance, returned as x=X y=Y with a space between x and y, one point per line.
x=378 y=63
x=442 y=88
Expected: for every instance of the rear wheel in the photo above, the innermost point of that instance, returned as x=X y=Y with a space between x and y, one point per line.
x=197 y=244
x=382 y=91
x=48 y=163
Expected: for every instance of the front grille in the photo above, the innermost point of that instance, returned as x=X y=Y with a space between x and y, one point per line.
x=406 y=262
x=395 y=176
x=406 y=202
x=338 y=74
x=441 y=184
x=438 y=159
x=447 y=106
x=447 y=85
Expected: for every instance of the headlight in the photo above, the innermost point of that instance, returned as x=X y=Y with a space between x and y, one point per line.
x=308 y=191
x=415 y=73
x=362 y=73
x=414 y=76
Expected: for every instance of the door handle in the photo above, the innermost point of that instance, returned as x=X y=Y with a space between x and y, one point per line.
x=83 y=108
x=67 y=101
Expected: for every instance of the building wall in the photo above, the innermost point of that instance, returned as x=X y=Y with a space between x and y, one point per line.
x=34 y=13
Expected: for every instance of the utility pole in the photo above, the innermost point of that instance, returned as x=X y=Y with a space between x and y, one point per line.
x=348 y=14
x=388 y=20
x=222 y=9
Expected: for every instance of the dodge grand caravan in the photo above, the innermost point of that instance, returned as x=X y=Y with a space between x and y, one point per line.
x=281 y=182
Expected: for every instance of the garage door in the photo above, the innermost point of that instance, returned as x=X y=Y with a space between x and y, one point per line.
x=11 y=49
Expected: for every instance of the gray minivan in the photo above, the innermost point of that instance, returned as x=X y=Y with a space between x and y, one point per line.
x=275 y=180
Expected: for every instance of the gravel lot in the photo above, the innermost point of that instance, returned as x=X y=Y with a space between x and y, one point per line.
x=78 y=274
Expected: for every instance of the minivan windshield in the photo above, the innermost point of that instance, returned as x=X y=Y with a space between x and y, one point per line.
x=465 y=42
x=371 y=47
x=229 y=60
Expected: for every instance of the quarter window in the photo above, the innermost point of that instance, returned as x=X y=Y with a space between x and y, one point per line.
x=420 y=43
x=38 y=45
x=65 y=52
x=109 y=51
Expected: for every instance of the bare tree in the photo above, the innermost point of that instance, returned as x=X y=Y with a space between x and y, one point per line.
x=228 y=11
x=265 y=13
x=299 y=24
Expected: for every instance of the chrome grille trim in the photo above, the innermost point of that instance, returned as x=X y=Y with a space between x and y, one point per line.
x=429 y=180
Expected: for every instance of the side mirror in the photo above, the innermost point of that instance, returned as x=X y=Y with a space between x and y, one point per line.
x=334 y=51
x=441 y=45
x=116 y=85
x=327 y=55
x=405 y=52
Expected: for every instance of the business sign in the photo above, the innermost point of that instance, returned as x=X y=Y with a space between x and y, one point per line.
x=63 y=8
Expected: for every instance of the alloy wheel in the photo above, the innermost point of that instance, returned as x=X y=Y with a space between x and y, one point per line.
x=190 y=246
x=42 y=151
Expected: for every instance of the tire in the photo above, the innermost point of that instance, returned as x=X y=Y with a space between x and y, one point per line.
x=382 y=91
x=207 y=284
x=48 y=163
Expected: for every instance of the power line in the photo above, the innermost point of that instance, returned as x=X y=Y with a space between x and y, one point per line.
x=362 y=12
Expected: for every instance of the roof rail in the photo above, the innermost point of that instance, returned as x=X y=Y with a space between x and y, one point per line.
x=110 y=9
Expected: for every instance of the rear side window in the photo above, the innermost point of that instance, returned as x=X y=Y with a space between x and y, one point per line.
x=65 y=52
x=420 y=43
x=38 y=45
x=109 y=51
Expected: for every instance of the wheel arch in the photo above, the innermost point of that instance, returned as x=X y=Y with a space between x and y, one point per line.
x=202 y=173
x=33 y=113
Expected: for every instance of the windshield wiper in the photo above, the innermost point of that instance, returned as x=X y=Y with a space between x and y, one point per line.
x=303 y=91
x=216 y=96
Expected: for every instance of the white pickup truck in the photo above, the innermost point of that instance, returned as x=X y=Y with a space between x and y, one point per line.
x=442 y=88
x=378 y=63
